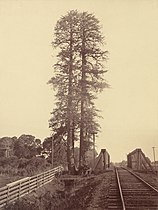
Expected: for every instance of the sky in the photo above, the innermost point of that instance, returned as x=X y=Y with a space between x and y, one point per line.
x=129 y=107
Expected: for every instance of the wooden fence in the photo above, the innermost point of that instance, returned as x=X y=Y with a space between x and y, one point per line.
x=17 y=189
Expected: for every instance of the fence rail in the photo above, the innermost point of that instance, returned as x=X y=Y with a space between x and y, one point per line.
x=17 y=189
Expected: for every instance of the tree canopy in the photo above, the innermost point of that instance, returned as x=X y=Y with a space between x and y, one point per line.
x=79 y=76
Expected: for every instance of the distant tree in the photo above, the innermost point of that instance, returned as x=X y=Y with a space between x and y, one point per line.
x=26 y=146
x=47 y=145
x=59 y=153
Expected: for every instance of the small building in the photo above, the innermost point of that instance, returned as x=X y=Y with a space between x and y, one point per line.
x=137 y=160
x=5 y=152
x=6 y=147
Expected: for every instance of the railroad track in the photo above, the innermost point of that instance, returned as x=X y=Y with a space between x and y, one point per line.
x=129 y=191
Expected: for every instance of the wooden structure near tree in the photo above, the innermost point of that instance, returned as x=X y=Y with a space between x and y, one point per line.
x=102 y=162
x=137 y=160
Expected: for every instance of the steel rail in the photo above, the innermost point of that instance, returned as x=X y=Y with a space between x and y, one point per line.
x=120 y=189
x=142 y=180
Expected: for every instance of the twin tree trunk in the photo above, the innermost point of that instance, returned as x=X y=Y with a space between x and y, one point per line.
x=78 y=76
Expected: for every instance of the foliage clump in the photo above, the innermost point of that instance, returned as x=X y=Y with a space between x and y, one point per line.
x=22 y=156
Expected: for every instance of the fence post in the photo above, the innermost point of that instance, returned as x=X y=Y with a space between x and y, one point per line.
x=49 y=175
x=29 y=185
x=8 y=195
x=19 y=189
x=37 y=181
x=43 y=178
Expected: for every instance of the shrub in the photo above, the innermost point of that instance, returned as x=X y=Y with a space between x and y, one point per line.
x=23 y=166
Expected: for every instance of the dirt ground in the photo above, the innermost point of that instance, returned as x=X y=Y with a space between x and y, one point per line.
x=150 y=178
x=91 y=193
x=85 y=193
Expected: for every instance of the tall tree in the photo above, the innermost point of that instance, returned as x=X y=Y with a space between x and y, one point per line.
x=78 y=74
x=65 y=79
x=92 y=57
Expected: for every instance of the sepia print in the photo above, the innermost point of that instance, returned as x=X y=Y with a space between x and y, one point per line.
x=79 y=104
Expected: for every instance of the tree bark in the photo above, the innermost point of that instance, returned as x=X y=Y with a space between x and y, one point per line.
x=70 y=140
x=83 y=90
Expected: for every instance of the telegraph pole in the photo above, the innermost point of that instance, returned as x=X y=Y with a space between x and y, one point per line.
x=52 y=152
x=154 y=158
x=94 y=148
